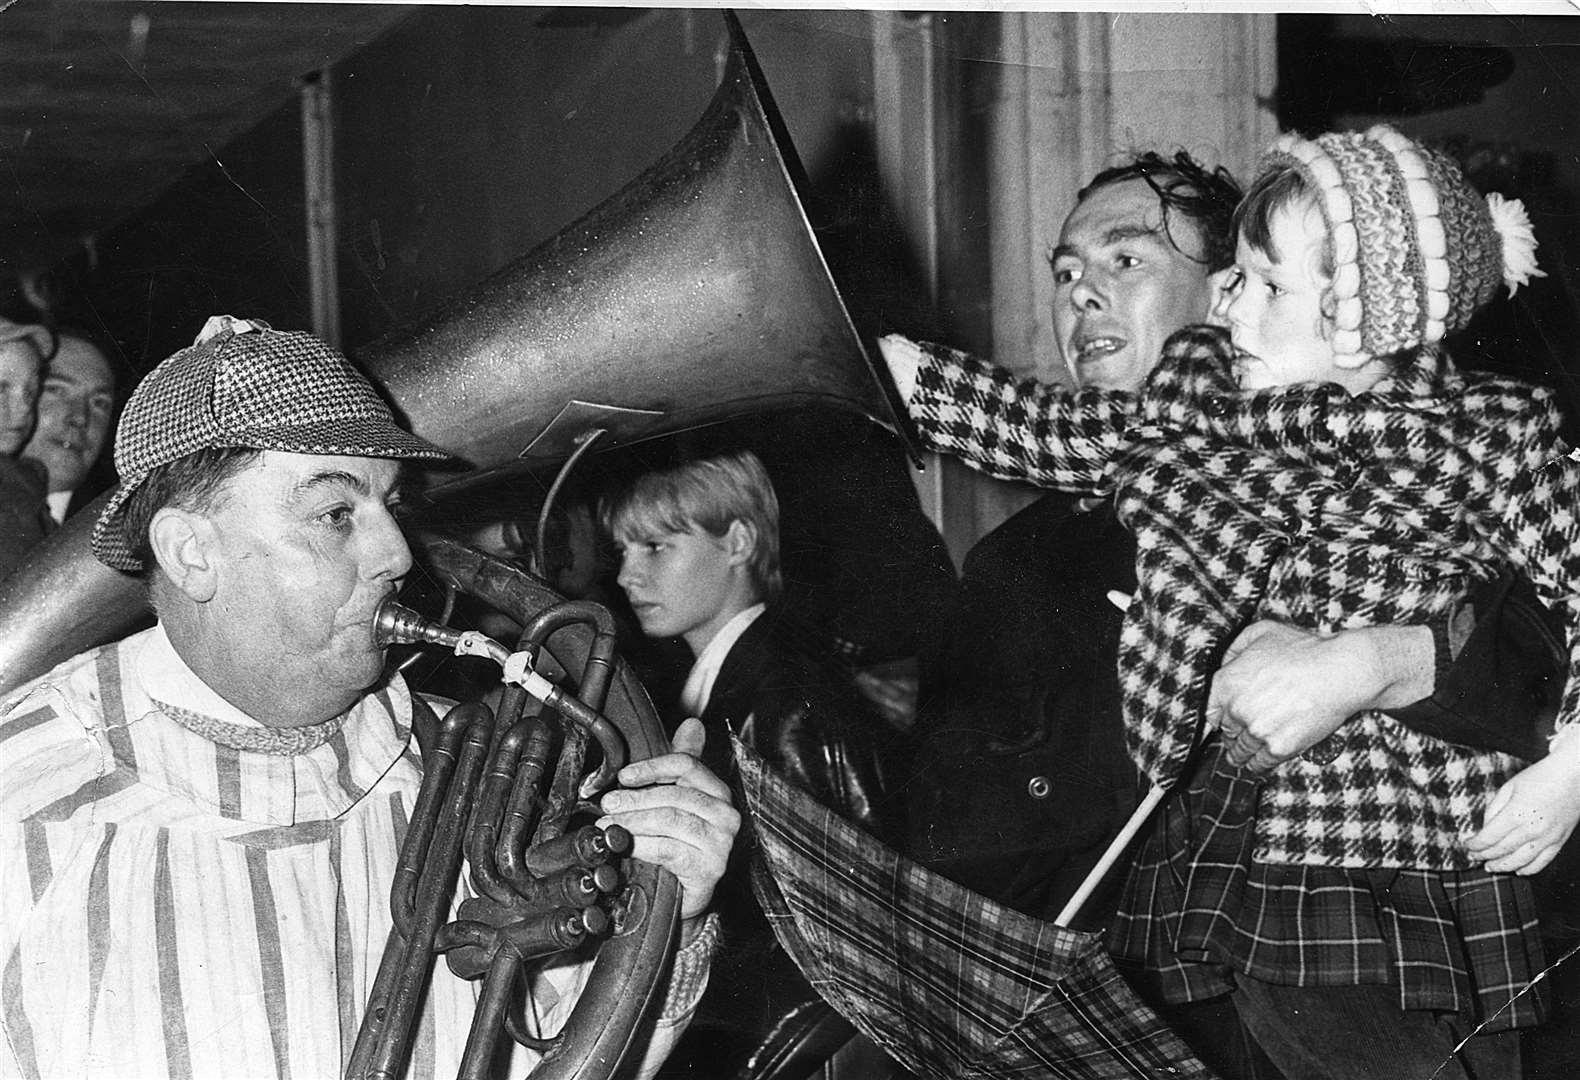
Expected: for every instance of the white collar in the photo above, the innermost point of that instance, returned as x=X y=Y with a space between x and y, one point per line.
x=58 y=502
x=699 y=684
x=316 y=785
x=167 y=678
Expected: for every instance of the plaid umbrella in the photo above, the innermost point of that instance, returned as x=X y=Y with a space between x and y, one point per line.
x=947 y=982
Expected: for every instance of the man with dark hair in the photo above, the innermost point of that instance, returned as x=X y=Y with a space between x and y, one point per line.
x=1026 y=777
x=201 y=822
x=76 y=406
x=1021 y=726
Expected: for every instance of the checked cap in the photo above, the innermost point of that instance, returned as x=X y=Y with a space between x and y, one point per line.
x=243 y=384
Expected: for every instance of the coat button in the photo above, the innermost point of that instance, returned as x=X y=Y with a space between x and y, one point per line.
x=1039 y=787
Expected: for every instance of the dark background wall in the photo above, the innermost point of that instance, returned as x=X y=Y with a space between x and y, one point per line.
x=464 y=137
x=468 y=134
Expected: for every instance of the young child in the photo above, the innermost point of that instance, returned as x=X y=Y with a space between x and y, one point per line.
x=699 y=560
x=1324 y=465
x=24 y=514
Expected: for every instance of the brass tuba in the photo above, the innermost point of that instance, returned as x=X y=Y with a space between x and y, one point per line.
x=695 y=294
x=504 y=791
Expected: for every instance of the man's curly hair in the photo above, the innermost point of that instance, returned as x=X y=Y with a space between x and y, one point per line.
x=1184 y=186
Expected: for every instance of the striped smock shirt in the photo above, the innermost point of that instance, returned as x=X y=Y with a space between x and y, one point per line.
x=174 y=907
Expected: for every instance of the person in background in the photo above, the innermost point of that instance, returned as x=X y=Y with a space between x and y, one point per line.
x=24 y=519
x=76 y=407
x=698 y=543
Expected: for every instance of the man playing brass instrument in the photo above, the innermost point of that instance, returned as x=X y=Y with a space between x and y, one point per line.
x=199 y=823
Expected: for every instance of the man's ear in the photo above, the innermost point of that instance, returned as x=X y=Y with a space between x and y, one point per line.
x=740 y=541
x=1223 y=286
x=183 y=545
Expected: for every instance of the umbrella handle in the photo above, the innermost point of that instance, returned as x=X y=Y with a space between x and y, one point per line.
x=1111 y=856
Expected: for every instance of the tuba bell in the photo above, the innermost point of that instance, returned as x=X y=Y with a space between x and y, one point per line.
x=695 y=294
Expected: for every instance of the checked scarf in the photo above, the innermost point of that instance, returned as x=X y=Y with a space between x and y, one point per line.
x=1310 y=505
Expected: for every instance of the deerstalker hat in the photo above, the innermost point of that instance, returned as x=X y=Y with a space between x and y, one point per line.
x=242 y=384
x=42 y=337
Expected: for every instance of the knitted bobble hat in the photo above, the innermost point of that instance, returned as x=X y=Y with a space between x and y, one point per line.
x=1416 y=250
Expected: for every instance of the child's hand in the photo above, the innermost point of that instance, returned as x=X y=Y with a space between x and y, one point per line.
x=904 y=358
x=1532 y=815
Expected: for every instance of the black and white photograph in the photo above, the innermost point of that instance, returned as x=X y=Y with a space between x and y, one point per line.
x=788 y=542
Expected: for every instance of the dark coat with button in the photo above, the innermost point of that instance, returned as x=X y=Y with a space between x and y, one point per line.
x=24 y=515
x=801 y=714
x=1022 y=776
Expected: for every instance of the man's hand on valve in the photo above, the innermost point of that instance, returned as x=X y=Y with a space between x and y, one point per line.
x=679 y=815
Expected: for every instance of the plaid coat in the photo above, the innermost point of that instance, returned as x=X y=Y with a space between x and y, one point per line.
x=1307 y=504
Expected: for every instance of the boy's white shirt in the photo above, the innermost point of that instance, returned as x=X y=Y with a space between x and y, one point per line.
x=705 y=671
x=58 y=502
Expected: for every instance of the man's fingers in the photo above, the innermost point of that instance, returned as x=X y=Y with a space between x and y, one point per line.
x=673 y=769
x=694 y=846
x=712 y=831
x=713 y=807
x=690 y=737
x=1262 y=761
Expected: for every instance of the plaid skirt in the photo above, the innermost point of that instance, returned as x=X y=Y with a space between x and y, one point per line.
x=1197 y=908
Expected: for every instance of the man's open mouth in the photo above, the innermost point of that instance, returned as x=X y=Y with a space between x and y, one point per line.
x=1089 y=350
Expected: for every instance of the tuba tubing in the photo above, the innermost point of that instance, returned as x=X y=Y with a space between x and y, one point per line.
x=695 y=294
x=460 y=807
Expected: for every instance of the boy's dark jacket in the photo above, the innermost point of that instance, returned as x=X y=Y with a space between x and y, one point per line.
x=801 y=714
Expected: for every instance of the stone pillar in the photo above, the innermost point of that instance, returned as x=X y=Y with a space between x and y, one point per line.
x=1063 y=94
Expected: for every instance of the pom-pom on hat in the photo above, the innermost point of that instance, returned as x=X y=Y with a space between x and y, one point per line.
x=242 y=384
x=1416 y=250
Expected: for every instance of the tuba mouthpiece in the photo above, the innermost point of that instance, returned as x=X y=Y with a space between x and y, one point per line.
x=396 y=624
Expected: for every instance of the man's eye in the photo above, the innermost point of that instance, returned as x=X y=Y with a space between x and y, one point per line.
x=1274 y=289
x=1127 y=262
x=1235 y=281
x=1063 y=268
x=336 y=516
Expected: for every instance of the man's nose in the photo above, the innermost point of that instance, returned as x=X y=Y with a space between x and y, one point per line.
x=1089 y=293
x=77 y=415
x=390 y=557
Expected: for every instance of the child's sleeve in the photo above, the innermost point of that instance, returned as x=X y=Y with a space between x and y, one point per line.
x=1538 y=488
x=1013 y=428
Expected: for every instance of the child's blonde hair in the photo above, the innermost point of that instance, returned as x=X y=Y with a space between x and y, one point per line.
x=706 y=494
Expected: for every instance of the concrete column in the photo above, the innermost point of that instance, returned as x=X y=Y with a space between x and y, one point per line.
x=1079 y=92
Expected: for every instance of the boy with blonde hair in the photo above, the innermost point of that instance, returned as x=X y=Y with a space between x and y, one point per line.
x=699 y=560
